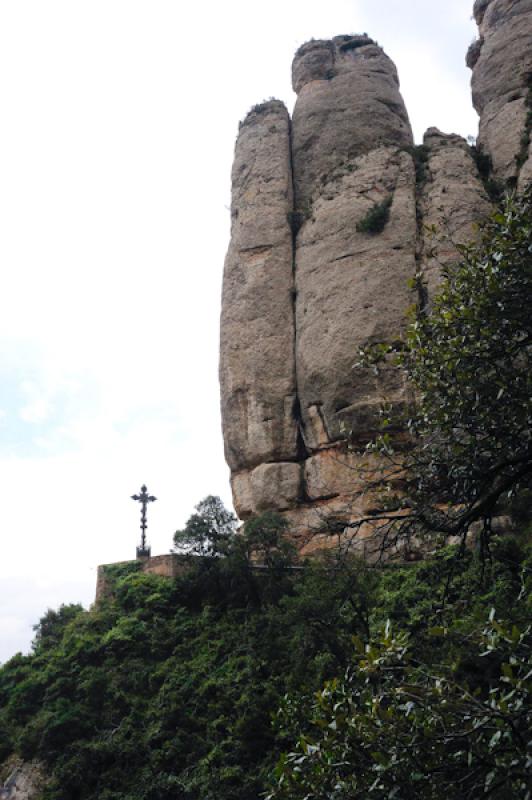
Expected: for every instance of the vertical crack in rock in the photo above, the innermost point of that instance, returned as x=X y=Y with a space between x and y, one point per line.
x=501 y=61
x=295 y=224
x=419 y=155
x=257 y=369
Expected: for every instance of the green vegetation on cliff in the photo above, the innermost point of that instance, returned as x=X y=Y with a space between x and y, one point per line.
x=168 y=689
x=439 y=714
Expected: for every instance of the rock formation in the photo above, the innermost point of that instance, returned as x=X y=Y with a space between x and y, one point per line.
x=501 y=60
x=257 y=334
x=451 y=198
x=333 y=214
x=23 y=780
x=350 y=137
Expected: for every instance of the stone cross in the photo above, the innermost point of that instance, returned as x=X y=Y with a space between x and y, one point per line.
x=143 y=498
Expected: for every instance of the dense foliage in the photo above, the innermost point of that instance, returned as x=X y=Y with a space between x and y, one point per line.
x=398 y=727
x=209 y=531
x=167 y=689
x=469 y=362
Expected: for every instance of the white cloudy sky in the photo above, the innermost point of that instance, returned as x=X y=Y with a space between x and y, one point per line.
x=118 y=126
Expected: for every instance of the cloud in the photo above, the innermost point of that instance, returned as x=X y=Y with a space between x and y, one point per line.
x=37 y=407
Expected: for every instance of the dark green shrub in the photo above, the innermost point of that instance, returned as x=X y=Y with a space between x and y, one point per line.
x=376 y=218
x=493 y=188
x=393 y=726
x=420 y=156
x=360 y=40
x=469 y=363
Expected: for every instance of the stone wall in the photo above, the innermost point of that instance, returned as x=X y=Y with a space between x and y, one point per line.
x=169 y=565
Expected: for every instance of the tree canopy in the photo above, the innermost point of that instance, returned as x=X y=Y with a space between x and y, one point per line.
x=208 y=531
x=395 y=726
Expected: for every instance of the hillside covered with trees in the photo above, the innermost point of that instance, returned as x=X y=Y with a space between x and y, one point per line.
x=170 y=689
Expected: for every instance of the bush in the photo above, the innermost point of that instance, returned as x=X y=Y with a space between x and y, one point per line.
x=396 y=726
x=376 y=218
x=420 y=155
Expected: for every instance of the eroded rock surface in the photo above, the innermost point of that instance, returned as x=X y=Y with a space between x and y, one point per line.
x=24 y=780
x=313 y=266
x=269 y=486
x=257 y=366
x=333 y=215
x=348 y=104
x=352 y=290
x=452 y=202
x=501 y=60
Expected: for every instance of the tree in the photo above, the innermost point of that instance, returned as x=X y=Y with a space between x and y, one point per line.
x=264 y=539
x=208 y=531
x=51 y=627
x=395 y=727
x=469 y=361
x=263 y=557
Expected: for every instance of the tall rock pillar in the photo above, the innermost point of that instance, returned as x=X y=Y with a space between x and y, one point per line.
x=451 y=202
x=257 y=364
x=351 y=141
x=308 y=281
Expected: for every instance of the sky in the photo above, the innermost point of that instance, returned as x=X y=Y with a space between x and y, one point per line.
x=119 y=119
